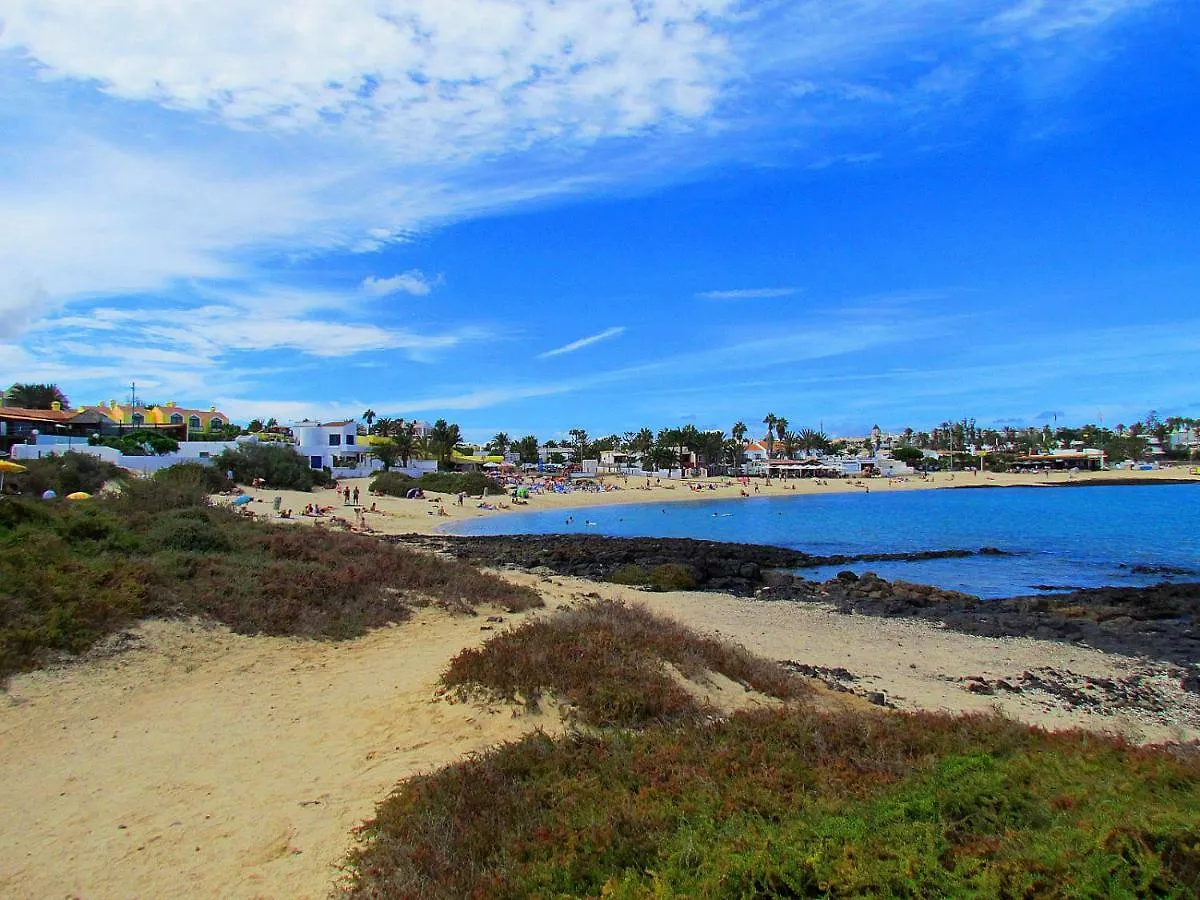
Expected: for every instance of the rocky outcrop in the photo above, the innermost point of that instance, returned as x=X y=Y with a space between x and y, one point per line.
x=715 y=565
x=1159 y=622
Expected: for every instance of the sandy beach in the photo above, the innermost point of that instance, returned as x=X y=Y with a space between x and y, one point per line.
x=187 y=761
x=394 y=515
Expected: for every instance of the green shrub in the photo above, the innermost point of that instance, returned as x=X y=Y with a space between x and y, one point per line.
x=188 y=530
x=206 y=478
x=672 y=577
x=606 y=660
x=667 y=577
x=65 y=473
x=630 y=574
x=140 y=442
x=278 y=465
x=453 y=482
x=795 y=803
x=394 y=484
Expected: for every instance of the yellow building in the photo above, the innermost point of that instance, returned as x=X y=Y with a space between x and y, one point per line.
x=210 y=419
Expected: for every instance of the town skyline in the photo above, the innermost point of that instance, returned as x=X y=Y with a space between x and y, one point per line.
x=531 y=218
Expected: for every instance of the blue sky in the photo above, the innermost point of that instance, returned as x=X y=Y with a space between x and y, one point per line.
x=531 y=216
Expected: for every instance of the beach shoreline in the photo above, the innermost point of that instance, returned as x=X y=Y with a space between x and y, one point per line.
x=439 y=513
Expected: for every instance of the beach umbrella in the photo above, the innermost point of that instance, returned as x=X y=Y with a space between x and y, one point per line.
x=242 y=500
x=7 y=465
x=79 y=495
x=48 y=495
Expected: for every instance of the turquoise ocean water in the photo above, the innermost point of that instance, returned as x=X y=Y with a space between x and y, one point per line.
x=1061 y=537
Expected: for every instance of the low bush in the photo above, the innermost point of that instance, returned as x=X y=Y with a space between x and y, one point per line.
x=71 y=573
x=607 y=660
x=64 y=473
x=139 y=442
x=278 y=465
x=667 y=577
x=794 y=803
x=205 y=478
x=453 y=482
x=394 y=484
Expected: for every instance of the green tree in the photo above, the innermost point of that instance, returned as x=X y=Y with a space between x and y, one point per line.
x=579 y=440
x=255 y=426
x=527 y=448
x=368 y=416
x=812 y=441
x=500 y=443
x=35 y=396
x=769 y=420
x=278 y=465
x=404 y=436
x=386 y=452
x=443 y=438
x=781 y=427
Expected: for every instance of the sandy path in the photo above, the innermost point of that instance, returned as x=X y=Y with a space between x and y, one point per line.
x=206 y=764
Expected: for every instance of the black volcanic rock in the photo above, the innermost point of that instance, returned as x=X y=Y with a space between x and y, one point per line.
x=1158 y=622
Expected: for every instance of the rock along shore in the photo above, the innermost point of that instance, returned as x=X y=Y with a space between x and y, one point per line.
x=1159 y=622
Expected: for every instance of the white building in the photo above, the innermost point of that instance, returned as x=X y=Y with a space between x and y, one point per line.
x=334 y=445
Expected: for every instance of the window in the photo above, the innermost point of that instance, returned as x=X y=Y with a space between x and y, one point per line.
x=194 y=423
x=214 y=424
x=335 y=440
x=176 y=419
x=349 y=440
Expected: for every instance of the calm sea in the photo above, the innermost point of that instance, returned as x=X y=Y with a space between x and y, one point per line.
x=1061 y=537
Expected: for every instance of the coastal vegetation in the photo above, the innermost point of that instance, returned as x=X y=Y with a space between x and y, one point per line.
x=71 y=573
x=793 y=800
x=64 y=474
x=607 y=661
x=276 y=464
x=398 y=484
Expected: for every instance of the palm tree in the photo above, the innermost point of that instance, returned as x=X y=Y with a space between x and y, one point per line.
x=811 y=440
x=383 y=426
x=443 y=438
x=739 y=437
x=368 y=416
x=501 y=442
x=770 y=421
x=35 y=396
x=781 y=425
x=791 y=443
x=405 y=441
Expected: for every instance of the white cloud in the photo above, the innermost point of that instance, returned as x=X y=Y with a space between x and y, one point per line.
x=149 y=145
x=430 y=76
x=411 y=282
x=584 y=342
x=748 y=293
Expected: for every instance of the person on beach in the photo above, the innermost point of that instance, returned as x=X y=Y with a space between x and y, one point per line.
x=356 y=496
x=345 y=496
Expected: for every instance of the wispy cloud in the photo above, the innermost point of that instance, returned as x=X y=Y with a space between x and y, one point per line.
x=748 y=293
x=584 y=342
x=412 y=282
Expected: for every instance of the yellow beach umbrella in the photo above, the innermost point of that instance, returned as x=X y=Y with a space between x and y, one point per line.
x=79 y=495
x=7 y=465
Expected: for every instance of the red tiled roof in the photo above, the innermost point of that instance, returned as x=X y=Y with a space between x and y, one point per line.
x=38 y=415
